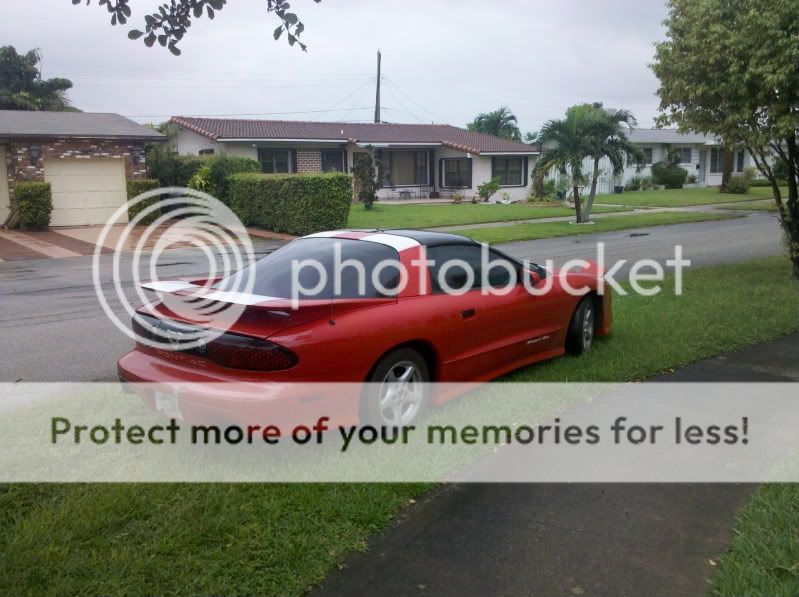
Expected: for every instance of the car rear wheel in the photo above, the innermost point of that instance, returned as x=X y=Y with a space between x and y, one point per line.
x=396 y=396
x=580 y=335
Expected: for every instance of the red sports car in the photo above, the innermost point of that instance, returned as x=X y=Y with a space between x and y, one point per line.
x=427 y=310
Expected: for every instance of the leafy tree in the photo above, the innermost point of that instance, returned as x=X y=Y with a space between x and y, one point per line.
x=731 y=69
x=500 y=123
x=172 y=20
x=21 y=85
x=589 y=131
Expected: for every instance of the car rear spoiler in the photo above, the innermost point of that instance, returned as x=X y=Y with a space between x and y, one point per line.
x=184 y=288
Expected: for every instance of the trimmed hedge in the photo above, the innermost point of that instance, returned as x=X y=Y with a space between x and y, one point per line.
x=135 y=188
x=222 y=166
x=35 y=203
x=292 y=203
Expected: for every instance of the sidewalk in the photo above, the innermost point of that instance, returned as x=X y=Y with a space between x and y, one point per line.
x=569 y=539
x=711 y=208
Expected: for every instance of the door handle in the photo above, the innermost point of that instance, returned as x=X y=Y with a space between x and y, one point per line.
x=467 y=313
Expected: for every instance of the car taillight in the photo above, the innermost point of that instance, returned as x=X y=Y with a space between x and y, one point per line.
x=240 y=352
x=228 y=350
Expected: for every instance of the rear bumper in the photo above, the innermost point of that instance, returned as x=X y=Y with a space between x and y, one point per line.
x=217 y=398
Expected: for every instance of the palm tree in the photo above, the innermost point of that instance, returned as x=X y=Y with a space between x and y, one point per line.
x=564 y=148
x=589 y=131
x=22 y=88
x=608 y=139
x=500 y=123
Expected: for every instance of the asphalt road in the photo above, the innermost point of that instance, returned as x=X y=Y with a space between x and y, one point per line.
x=53 y=329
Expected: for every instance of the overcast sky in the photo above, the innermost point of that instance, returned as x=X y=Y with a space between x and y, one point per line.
x=443 y=60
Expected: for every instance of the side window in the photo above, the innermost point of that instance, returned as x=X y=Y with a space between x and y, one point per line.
x=466 y=273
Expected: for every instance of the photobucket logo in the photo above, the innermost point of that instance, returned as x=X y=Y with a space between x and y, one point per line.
x=491 y=274
x=169 y=218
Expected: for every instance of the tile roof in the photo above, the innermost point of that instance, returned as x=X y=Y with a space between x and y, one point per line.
x=25 y=123
x=364 y=132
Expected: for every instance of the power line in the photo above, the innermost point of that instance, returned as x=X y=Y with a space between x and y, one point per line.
x=393 y=86
x=209 y=115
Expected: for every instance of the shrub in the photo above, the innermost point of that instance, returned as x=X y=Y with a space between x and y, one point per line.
x=737 y=185
x=222 y=166
x=488 y=188
x=135 y=188
x=647 y=183
x=457 y=197
x=201 y=180
x=366 y=179
x=171 y=169
x=692 y=179
x=669 y=174
x=740 y=183
x=35 y=204
x=634 y=184
x=293 y=203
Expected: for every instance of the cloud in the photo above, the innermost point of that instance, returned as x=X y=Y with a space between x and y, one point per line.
x=443 y=60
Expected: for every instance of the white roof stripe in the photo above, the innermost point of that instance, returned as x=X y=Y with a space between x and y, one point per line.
x=328 y=234
x=396 y=242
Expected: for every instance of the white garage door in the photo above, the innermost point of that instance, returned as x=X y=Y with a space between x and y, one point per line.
x=85 y=191
x=5 y=206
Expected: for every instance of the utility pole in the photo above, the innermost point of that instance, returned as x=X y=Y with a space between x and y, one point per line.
x=377 y=94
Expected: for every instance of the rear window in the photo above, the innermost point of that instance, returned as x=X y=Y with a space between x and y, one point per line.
x=274 y=277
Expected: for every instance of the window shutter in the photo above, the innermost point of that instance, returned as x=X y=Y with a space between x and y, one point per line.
x=526 y=170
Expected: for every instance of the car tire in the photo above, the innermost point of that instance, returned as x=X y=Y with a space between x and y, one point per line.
x=582 y=327
x=397 y=393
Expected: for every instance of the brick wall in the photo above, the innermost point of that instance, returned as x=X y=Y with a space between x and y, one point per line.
x=20 y=167
x=309 y=160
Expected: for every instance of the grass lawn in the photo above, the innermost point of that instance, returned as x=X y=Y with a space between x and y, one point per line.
x=450 y=214
x=505 y=234
x=281 y=539
x=765 y=205
x=683 y=197
x=764 y=556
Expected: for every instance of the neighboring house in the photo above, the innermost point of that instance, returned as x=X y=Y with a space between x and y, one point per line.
x=418 y=159
x=86 y=158
x=701 y=156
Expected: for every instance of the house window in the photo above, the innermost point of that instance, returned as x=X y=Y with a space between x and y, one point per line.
x=647 y=155
x=273 y=160
x=509 y=171
x=405 y=168
x=685 y=155
x=716 y=160
x=739 y=161
x=332 y=160
x=457 y=173
x=206 y=152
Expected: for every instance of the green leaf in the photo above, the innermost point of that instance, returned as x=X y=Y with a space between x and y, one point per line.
x=175 y=50
x=198 y=11
x=217 y=4
x=149 y=40
x=210 y=12
x=278 y=32
x=135 y=34
x=290 y=18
